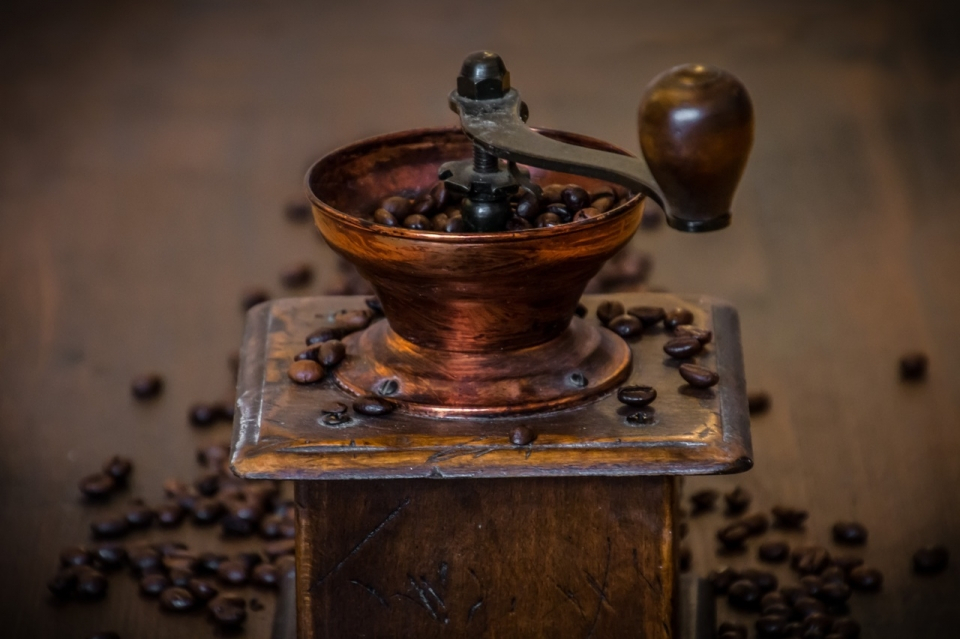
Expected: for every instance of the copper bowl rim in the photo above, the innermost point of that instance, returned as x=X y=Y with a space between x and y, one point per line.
x=440 y=236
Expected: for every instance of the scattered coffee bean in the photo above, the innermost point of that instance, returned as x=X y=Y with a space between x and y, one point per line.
x=228 y=610
x=733 y=536
x=771 y=626
x=846 y=628
x=722 y=579
x=266 y=576
x=607 y=310
x=109 y=527
x=850 y=533
x=170 y=515
x=177 y=600
x=835 y=593
x=118 y=468
x=521 y=436
x=703 y=500
x=305 y=372
x=202 y=589
x=758 y=523
x=676 y=317
x=788 y=518
x=207 y=511
x=98 y=486
x=758 y=402
x=325 y=334
x=75 y=556
x=648 y=315
x=63 y=583
x=144 y=559
x=91 y=584
x=296 y=275
x=744 y=594
x=297 y=212
x=203 y=414
x=331 y=353
x=765 y=581
x=374 y=406
x=833 y=573
x=698 y=376
x=738 y=630
x=812 y=585
x=773 y=552
x=146 y=386
x=626 y=326
x=806 y=606
x=810 y=560
x=931 y=560
x=153 y=584
x=683 y=347
x=109 y=556
x=636 y=395
x=702 y=335
x=252 y=297
x=913 y=367
x=209 y=562
x=816 y=624
x=233 y=572
x=276 y=549
x=737 y=500
x=865 y=579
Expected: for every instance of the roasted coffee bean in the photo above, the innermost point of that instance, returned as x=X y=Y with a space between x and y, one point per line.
x=335 y=420
x=528 y=207
x=209 y=562
x=177 y=600
x=636 y=395
x=561 y=211
x=744 y=594
x=773 y=552
x=417 y=222
x=439 y=222
x=397 y=205
x=296 y=275
x=118 y=467
x=683 y=347
x=816 y=622
x=703 y=500
x=806 y=606
x=203 y=414
x=224 y=411
x=626 y=326
x=846 y=628
x=812 y=585
x=213 y=456
x=758 y=402
x=170 y=515
x=75 y=556
x=385 y=217
x=146 y=386
x=702 y=335
x=109 y=527
x=676 y=317
x=305 y=372
x=233 y=572
x=737 y=500
x=850 y=533
x=144 y=558
x=913 y=367
x=738 y=630
x=603 y=204
x=91 y=584
x=648 y=315
x=297 y=212
x=373 y=406
x=865 y=579
x=252 y=297
x=770 y=599
x=202 y=589
x=546 y=220
x=609 y=309
x=153 y=584
x=643 y=416
x=698 y=376
x=97 y=486
x=574 y=197
x=758 y=523
x=331 y=353
x=833 y=574
x=266 y=576
x=791 y=594
x=810 y=560
x=180 y=578
x=442 y=196
x=722 y=579
x=424 y=206
x=931 y=560
x=771 y=626
x=552 y=193
x=350 y=321
x=516 y=223
x=781 y=609
x=325 y=334
x=62 y=584
x=733 y=536
x=334 y=408
x=286 y=566
x=456 y=225
x=765 y=581
x=581 y=311
x=788 y=518
x=208 y=484
x=834 y=593
x=602 y=191
x=270 y=526
x=109 y=556
x=521 y=436
x=228 y=610
x=276 y=549
x=207 y=511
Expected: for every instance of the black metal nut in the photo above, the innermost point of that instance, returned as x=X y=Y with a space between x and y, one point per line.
x=483 y=76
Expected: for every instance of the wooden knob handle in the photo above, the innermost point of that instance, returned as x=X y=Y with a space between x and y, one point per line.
x=696 y=130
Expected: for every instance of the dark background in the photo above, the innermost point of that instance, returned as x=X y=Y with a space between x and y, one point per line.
x=147 y=151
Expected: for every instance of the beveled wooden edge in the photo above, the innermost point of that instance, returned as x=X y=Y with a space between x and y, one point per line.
x=730 y=452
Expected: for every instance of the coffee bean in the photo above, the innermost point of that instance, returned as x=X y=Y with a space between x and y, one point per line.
x=698 y=376
x=788 y=518
x=417 y=222
x=770 y=599
x=546 y=220
x=791 y=594
x=385 y=217
x=305 y=372
x=835 y=593
x=602 y=191
x=643 y=416
x=109 y=527
x=146 y=386
x=722 y=579
x=806 y=606
x=587 y=213
x=703 y=500
x=738 y=500
x=771 y=626
x=331 y=353
x=325 y=334
x=648 y=315
x=676 y=317
x=202 y=589
x=252 y=297
x=574 y=197
x=297 y=212
x=170 y=515
x=209 y=562
x=850 y=533
x=603 y=204
x=91 y=584
x=581 y=310
x=765 y=581
x=286 y=566
x=626 y=326
x=931 y=560
x=75 y=556
x=153 y=584
x=233 y=572
x=865 y=579
x=810 y=560
x=833 y=574
x=702 y=335
x=424 y=206
x=208 y=484
x=773 y=552
x=373 y=406
x=180 y=578
x=683 y=347
x=203 y=414
x=846 y=628
x=296 y=275
x=518 y=224
x=119 y=468
x=521 y=436
x=816 y=624
x=780 y=609
x=528 y=207
x=913 y=367
x=561 y=211
x=758 y=402
x=207 y=511
x=636 y=395
x=266 y=576
x=758 y=523
x=744 y=594
x=62 y=584
x=276 y=549
x=397 y=205
x=733 y=536
x=442 y=196
x=109 y=556
x=228 y=610
x=738 y=630
x=213 y=456
x=846 y=562
x=455 y=225
x=177 y=600
x=143 y=558
x=98 y=486
x=552 y=193
x=812 y=585
x=609 y=309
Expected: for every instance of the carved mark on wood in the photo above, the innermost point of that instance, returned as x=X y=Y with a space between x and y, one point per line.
x=427 y=598
x=473 y=610
x=636 y=565
x=601 y=590
x=372 y=591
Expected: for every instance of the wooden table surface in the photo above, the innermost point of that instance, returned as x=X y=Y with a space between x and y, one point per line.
x=146 y=154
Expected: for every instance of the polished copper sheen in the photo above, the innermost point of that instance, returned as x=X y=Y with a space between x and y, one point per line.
x=477 y=323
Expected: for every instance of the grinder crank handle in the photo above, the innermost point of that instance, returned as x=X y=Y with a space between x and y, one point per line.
x=696 y=129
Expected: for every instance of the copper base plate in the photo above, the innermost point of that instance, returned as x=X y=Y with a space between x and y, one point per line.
x=578 y=365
